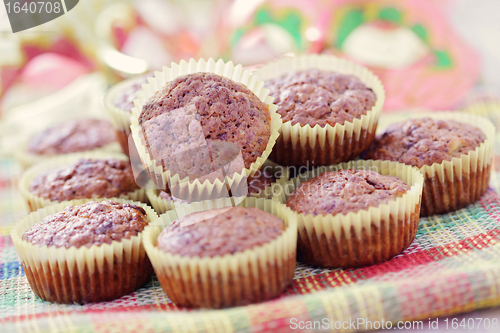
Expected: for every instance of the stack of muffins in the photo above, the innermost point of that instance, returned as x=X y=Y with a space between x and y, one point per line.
x=233 y=222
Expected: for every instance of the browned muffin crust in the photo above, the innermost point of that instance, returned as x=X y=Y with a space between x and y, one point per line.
x=345 y=191
x=199 y=122
x=260 y=181
x=87 y=178
x=124 y=100
x=221 y=231
x=72 y=136
x=425 y=141
x=92 y=223
x=317 y=97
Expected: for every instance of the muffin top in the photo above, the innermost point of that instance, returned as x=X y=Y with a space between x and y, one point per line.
x=318 y=97
x=425 y=141
x=124 y=100
x=345 y=191
x=201 y=122
x=221 y=231
x=92 y=223
x=72 y=136
x=86 y=178
x=260 y=181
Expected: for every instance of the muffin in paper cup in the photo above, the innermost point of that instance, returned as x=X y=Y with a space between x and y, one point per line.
x=35 y=202
x=451 y=185
x=85 y=274
x=217 y=184
x=120 y=118
x=318 y=145
x=360 y=238
x=254 y=275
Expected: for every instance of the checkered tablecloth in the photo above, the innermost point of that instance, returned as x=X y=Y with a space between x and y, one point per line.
x=452 y=266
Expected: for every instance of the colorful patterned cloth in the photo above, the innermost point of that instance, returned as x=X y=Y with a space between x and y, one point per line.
x=452 y=266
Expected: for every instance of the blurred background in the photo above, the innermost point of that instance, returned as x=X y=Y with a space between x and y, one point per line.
x=430 y=54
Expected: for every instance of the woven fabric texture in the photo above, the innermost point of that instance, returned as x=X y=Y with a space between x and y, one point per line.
x=452 y=266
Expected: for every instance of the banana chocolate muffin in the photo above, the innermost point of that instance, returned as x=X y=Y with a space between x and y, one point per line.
x=221 y=231
x=429 y=144
x=425 y=141
x=93 y=223
x=72 y=136
x=314 y=97
x=345 y=191
x=87 y=178
x=102 y=230
x=201 y=123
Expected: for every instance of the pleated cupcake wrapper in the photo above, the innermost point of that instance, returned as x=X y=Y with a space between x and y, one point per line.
x=35 y=202
x=313 y=146
x=454 y=184
x=359 y=238
x=251 y=276
x=85 y=274
x=194 y=190
x=119 y=118
x=159 y=204
x=27 y=159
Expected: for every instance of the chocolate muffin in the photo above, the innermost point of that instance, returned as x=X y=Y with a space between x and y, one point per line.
x=218 y=232
x=426 y=142
x=234 y=255
x=329 y=107
x=93 y=223
x=66 y=251
x=351 y=215
x=87 y=178
x=345 y=191
x=202 y=122
x=72 y=136
x=314 y=97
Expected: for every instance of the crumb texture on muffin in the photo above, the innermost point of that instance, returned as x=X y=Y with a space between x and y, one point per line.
x=345 y=191
x=199 y=122
x=221 y=231
x=71 y=136
x=92 y=223
x=318 y=97
x=425 y=141
x=87 y=178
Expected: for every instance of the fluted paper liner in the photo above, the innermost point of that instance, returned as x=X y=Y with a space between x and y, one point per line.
x=86 y=274
x=254 y=275
x=451 y=185
x=364 y=237
x=194 y=190
x=35 y=202
x=300 y=145
x=27 y=159
x=119 y=118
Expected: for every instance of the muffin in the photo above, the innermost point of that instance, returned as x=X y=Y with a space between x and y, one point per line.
x=329 y=107
x=216 y=256
x=118 y=102
x=79 y=178
x=72 y=136
x=261 y=185
x=447 y=151
x=354 y=214
x=87 y=253
x=196 y=128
